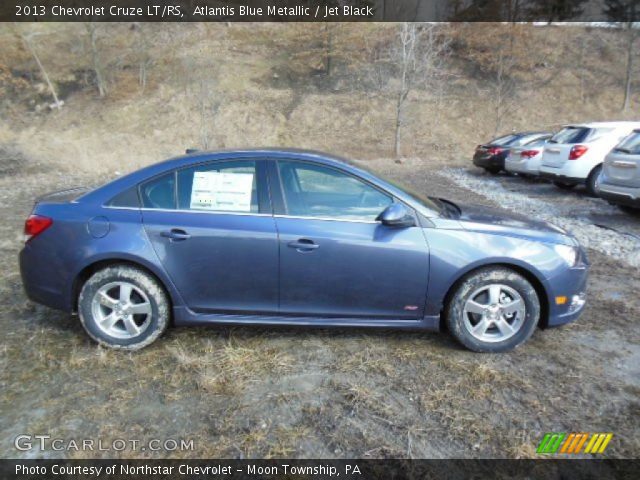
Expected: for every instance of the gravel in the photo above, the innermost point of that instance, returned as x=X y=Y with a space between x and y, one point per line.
x=617 y=244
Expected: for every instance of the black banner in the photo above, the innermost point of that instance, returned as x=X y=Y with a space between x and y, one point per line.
x=319 y=469
x=319 y=10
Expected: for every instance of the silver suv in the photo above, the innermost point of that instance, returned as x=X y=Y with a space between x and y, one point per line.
x=619 y=181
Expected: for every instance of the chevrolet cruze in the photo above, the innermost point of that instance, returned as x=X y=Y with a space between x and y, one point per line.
x=292 y=237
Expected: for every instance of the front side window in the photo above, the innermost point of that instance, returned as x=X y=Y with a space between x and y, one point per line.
x=317 y=191
x=219 y=186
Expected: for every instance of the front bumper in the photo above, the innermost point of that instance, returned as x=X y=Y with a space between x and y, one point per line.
x=620 y=195
x=571 y=284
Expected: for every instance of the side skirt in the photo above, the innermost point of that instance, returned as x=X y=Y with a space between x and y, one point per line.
x=184 y=316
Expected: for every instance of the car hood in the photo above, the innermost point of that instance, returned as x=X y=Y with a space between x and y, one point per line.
x=493 y=220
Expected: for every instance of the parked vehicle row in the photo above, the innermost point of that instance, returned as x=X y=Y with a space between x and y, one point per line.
x=602 y=156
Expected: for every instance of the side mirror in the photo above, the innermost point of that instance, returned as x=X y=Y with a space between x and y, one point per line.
x=396 y=215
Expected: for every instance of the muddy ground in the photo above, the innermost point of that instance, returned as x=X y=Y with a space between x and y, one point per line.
x=263 y=392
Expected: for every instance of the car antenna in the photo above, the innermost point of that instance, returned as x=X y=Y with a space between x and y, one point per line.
x=191 y=150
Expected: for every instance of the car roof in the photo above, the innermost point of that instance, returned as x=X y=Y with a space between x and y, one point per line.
x=604 y=125
x=524 y=134
x=107 y=191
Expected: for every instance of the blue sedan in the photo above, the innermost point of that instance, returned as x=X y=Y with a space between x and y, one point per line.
x=293 y=237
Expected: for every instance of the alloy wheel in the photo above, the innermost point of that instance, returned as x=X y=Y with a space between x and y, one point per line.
x=121 y=310
x=494 y=313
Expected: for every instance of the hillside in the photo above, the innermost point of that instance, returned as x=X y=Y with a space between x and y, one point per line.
x=218 y=86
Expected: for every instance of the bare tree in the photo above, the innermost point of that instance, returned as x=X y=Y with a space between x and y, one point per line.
x=631 y=38
x=96 y=61
x=625 y=11
x=503 y=88
x=418 y=56
x=142 y=48
x=27 y=40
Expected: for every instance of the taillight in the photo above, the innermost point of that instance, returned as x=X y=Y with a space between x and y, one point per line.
x=529 y=153
x=494 y=150
x=577 y=151
x=35 y=225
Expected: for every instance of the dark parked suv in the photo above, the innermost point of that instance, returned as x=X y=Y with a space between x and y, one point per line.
x=491 y=156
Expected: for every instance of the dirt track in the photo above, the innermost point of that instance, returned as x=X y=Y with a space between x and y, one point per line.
x=253 y=392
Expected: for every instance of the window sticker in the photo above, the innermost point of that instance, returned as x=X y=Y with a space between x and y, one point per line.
x=222 y=191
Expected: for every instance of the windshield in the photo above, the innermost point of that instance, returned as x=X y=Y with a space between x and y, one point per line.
x=630 y=144
x=571 y=135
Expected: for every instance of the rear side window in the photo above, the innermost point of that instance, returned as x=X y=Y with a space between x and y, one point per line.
x=220 y=186
x=159 y=192
x=630 y=144
x=127 y=198
x=571 y=135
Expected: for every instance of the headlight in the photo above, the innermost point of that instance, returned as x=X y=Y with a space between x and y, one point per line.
x=569 y=254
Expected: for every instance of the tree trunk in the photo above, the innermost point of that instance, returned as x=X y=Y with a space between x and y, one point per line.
x=56 y=101
x=95 y=60
x=627 y=83
x=399 y=113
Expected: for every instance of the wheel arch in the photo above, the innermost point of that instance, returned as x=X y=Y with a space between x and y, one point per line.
x=98 y=264
x=528 y=274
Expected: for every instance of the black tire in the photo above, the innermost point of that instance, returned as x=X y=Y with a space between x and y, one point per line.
x=592 y=181
x=454 y=310
x=493 y=170
x=563 y=185
x=156 y=322
x=629 y=210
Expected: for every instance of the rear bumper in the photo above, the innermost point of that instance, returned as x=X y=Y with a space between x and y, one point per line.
x=40 y=282
x=493 y=161
x=559 y=177
x=620 y=195
x=521 y=167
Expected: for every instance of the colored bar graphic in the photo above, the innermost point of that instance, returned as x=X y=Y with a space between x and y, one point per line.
x=572 y=443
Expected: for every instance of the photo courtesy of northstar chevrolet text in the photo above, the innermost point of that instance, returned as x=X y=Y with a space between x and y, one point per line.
x=363 y=239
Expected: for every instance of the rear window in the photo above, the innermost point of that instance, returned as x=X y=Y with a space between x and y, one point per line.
x=571 y=135
x=525 y=140
x=630 y=144
x=503 y=140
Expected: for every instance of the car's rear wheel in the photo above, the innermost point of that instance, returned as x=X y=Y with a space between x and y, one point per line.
x=493 y=310
x=493 y=170
x=593 y=180
x=564 y=185
x=123 y=307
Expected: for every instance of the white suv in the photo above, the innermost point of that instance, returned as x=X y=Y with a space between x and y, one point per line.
x=575 y=154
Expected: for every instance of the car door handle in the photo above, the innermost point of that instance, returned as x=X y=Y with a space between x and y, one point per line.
x=175 y=234
x=304 y=245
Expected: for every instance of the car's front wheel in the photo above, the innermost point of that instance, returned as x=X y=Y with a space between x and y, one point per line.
x=493 y=310
x=123 y=307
